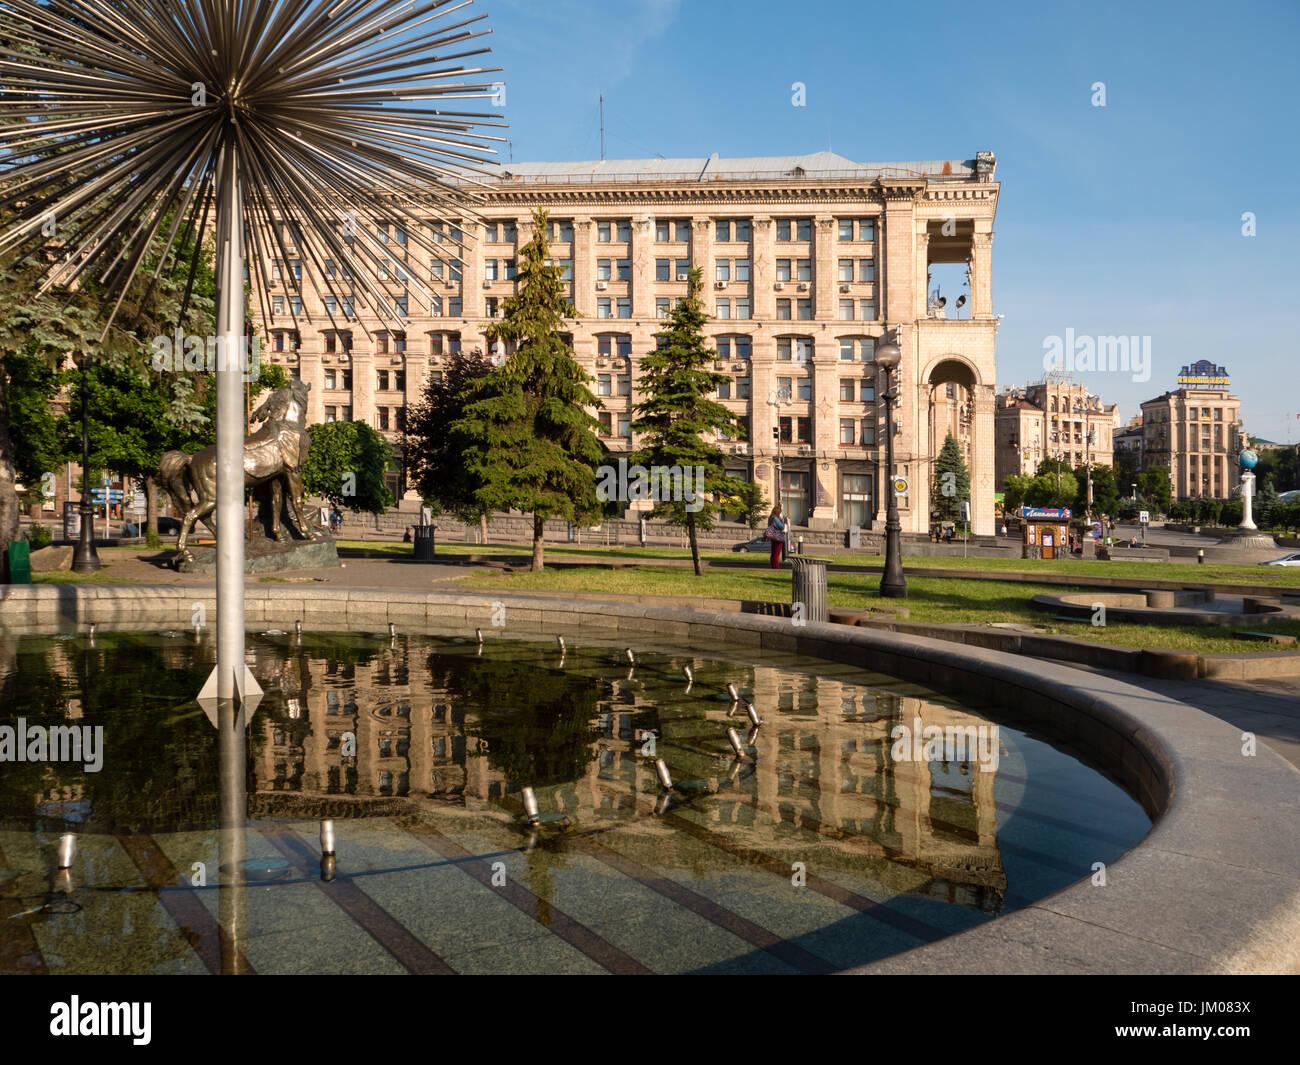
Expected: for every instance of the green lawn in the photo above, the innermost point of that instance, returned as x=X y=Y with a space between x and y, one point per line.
x=932 y=600
x=1191 y=573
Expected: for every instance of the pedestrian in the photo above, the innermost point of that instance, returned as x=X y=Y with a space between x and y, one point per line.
x=1004 y=528
x=406 y=538
x=775 y=533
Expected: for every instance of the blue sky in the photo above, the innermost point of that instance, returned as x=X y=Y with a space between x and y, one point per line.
x=1116 y=220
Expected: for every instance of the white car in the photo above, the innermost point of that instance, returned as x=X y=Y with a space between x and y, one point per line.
x=1285 y=560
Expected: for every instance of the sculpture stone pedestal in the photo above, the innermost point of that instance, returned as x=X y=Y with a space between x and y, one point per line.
x=267 y=556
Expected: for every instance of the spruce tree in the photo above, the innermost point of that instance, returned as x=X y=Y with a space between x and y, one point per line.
x=528 y=441
x=680 y=421
x=951 y=481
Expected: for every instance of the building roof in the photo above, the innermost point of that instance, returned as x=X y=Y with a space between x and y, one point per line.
x=818 y=165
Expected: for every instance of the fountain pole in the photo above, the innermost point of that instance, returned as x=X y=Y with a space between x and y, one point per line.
x=231 y=678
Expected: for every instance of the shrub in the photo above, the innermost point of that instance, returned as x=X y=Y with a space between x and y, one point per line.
x=39 y=536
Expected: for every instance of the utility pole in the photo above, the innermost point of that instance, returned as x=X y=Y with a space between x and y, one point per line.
x=602 y=127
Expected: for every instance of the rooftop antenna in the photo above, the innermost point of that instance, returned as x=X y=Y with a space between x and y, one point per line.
x=602 y=127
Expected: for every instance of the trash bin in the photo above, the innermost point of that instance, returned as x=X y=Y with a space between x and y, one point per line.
x=808 y=586
x=422 y=545
x=18 y=563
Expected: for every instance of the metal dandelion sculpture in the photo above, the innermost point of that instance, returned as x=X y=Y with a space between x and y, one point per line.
x=307 y=123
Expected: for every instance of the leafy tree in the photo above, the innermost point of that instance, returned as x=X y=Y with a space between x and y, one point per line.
x=746 y=498
x=951 y=481
x=1281 y=465
x=1157 y=487
x=1054 y=485
x=1105 y=492
x=677 y=418
x=1266 y=498
x=346 y=466
x=1014 y=489
x=30 y=383
x=433 y=450
x=527 y=439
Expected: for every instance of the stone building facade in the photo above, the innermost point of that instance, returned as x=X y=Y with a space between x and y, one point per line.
x=1196 y=433
x=806 y=260
x=1052 y=419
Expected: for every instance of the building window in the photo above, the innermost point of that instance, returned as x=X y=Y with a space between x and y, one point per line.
x=867 y=390
x=381 y=380
x=722 y=309
x=803 y=268
x=663 y=270
x=606 y=423
x=846 y=431
x=402 y=305
x=782 y=310
x=804 y=388
x=625 y=426
x=331 y=414
x=662 y=307
x=623 y=345
x=277 y=305
x=330 y=379
x=785 y=427
x=603 y=271
x=847 y=390
x=866 y=269
x=625 y=384
x=722 y=231
x=783 y=269
x=603 y=382
x=489 y=269
x=722 y=269
x=742 y=269
x=624 y=270
x=562 y=231
x=381 y=419
x=805 y=310
x=435 y=269
x=846 y=269
x=603 y=306
x=744 y=308
x=794 y=491
x=724 y=389
x=855 y=494
x=604 y=232
x=683 y=269
x=624 y=307
x=868 y=309
x=862 y=348
x=784 y=349
x=742 y=388
x=846 y=310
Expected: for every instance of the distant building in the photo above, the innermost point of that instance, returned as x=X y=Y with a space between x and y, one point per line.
x=1056 y=418
x=806 y=260
x=1196 y=433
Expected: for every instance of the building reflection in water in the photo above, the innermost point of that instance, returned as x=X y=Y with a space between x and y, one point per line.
x=410 y=723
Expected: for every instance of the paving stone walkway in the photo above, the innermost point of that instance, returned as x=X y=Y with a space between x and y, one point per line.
x=1269 y=707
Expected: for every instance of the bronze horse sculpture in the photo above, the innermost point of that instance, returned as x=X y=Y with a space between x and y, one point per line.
x=276 y=453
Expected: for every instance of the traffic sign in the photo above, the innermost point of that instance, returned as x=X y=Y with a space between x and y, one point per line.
x=1145 y=517
x=97 y=496
x=900 y=486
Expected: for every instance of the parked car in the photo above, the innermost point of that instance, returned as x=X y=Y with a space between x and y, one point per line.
x=166 y=527
x=1285 y=560
x=759 y=543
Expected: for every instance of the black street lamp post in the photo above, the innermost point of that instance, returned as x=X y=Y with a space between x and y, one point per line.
x=85 y=559
x=892 y=583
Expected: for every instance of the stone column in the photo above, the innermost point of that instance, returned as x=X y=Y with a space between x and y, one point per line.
x=584 y=268
x=920 y=308
x=981 y=273
x=825 y=278
x=763 y=269
x=702 y=256
x=982 y=480
x=472 y=276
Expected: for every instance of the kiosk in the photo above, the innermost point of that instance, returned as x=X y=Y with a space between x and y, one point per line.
x=1045 y=532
